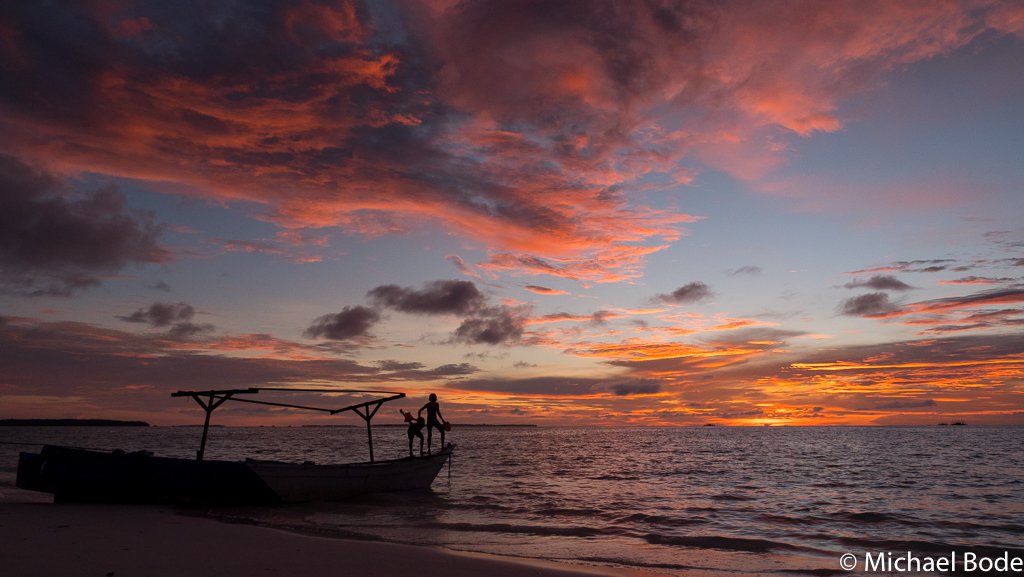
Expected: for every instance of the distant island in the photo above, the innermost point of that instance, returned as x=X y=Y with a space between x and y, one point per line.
x=70 y=423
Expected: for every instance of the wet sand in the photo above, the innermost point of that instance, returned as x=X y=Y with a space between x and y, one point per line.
x=47 y=540
x=41 y=539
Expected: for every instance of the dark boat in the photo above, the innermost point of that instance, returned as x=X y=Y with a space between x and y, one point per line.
x=82 y=475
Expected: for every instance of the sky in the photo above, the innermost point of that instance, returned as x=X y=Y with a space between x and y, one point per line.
x=554 y=213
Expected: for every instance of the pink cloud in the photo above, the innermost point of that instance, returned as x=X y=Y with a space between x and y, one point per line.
x=541 y=290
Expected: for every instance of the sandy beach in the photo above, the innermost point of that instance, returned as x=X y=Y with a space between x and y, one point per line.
x=47 y=540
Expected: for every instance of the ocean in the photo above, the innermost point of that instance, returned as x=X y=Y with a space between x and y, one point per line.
x=721 y=500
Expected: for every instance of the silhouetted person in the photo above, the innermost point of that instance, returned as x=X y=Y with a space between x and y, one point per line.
x=434 y=420
x=415 y=429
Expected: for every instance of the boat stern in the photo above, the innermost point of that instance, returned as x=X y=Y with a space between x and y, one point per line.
x=31 y=473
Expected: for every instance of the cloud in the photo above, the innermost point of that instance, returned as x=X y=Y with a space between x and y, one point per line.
x=460 y=264
x=523 y=126
x=41 y=358
x=544 y=290
x=636 y=388
x=398 y=365
x=926 y=266
x=176 y=316
x=746 y=270
x=880 y=283
x=689 y=293
x=161 y=314
x=492 y=326
x=945 y=314
x=481 y=323
x=972 y=366
x=56 y=242
x=871 y=403
x=978 y=280
x=189 y=330
x=543 y=386
x=437 y=297
x=266 y=247
x=868 y=305
x=454 y=370
x=1009 y=295
x=350 y=323
x=615 y=264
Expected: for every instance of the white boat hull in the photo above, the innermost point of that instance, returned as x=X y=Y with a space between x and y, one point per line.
x=295 y=483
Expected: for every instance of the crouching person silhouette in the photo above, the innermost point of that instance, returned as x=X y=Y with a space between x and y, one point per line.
x=415 y=429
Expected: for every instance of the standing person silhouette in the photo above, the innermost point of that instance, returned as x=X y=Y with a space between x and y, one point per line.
x=434 y=419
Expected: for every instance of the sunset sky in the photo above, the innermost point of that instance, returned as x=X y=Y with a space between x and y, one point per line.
x=563 y=212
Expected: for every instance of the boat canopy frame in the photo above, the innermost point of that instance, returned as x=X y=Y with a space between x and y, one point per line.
x=211 y=400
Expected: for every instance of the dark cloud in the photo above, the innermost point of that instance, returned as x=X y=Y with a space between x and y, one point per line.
x=636 y=388
x=176 y=316
x=350 y=323
x=880 y=403
x=746 y=270
x=689 y=293
x=937 y=359
x=1013 y=294
x=54 y=242
x=492 y=326
x=979 y=280
x=161 y=314
x=454 y=370
x=398 y=365
x=880 y=283
x=42 y=358
x=554 y=386
x=766 y=336
x=985 y=319
x=868 y=305
x=437 y=297
x=926 y=266
x=185 y=331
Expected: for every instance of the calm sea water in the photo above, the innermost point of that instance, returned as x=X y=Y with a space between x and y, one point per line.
x=728 y=500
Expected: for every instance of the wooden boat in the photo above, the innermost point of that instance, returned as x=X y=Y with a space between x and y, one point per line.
x=308 y=482
x=76 y=475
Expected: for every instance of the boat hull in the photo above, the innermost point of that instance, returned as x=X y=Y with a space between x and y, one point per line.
x=80 y=475
x=308 y=482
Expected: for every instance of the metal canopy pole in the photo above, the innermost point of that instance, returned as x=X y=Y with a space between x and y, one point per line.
x=213 y=400
x=367 y=414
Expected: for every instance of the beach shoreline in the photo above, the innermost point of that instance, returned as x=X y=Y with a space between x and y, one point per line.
x=48 y=540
